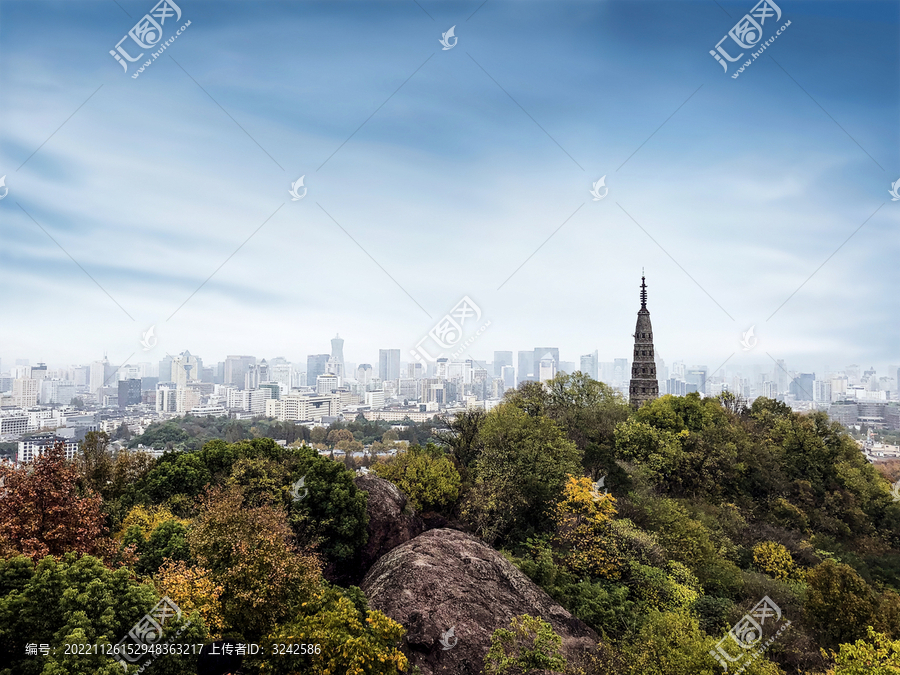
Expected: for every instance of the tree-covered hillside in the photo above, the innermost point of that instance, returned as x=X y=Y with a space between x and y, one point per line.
x=662 y=529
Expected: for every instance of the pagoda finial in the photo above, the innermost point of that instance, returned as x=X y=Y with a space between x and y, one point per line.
x=643 y=291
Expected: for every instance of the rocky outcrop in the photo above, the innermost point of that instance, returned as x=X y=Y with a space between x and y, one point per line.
x=447 y=579
x=391 y=523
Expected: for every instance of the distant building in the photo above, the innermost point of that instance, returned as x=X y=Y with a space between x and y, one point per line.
x=57 y=392
x=541 y=353
x=375 y=399
x=508 y=375
x=274 y=387
x=590 y=365
x=31 y=448
x=14 y=423
x=644 y=386
x=248 y=400
x=325 y=384
x=364 y=374
x=822 y=391
x=502 y=359
x=388 y=364
x=546 y=368
x=525 y=364
x=802 y=387
x=337 y=349
x=236 y=368
x=695 y=376
x=25 y=392
x=185 y=368
x=676 y=387
x=845 y=412
x=304 y=407
x=129 y=393
x=316 y=364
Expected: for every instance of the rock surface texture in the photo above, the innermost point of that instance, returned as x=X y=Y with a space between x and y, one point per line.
x=390 y=522
x=447 y=579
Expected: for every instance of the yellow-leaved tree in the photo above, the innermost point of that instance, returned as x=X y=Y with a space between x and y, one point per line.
x=582 y=520
x=773 y=559
x=192 y=589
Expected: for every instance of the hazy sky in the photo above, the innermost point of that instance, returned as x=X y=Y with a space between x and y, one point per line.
x=731 y=193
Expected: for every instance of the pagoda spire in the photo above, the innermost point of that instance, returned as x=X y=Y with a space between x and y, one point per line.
x=643 y=291
x=644 y=386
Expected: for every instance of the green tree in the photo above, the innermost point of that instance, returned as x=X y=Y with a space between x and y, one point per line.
x=836 y=590
x=589 y=412
x=123 y=433
x=263 y=479
x=249 y=552
x=354 y=639
x=671 y=643
x=94 y=462
x=519 y=474
x=875 y=655
x=529 y=643
x=333 y=512
x=529 y=396
x=167 y=541
x=426 y=475
x=318 y=435
x=336 y=436
x=182 y=473
x=462 y=435
x=74 y=600
x=164 y=435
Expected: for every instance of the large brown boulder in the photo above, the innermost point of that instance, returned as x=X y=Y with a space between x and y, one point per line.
x=447 y=579
x=391 y=522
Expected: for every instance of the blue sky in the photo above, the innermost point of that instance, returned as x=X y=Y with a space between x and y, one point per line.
x=458 y=177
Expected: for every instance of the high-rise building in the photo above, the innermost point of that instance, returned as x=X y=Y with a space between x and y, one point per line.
x=25 y=392
x=539 y=354
x=336 y=368
x=165 y=368
x=781 y=376
x=281 y=370
x=695 y=376
x=822 y=392
x=129 y=392
x=316 y=364
x=337 y=349
x=526 y=363
x=620 y=373
x=590 y=365
x=644 y=385
x=263 y=368
x=364 y=374
x=502 y=359
x=101 y=371
x=509 y=377
x=546 y=368
x=56 y=391
x=274 y=387
x=236 y=368
x=389 y=364
x=184 y=369
x=325 y=384
x=802 y=386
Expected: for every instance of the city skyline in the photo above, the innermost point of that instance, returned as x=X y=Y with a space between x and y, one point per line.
x=179 y=216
